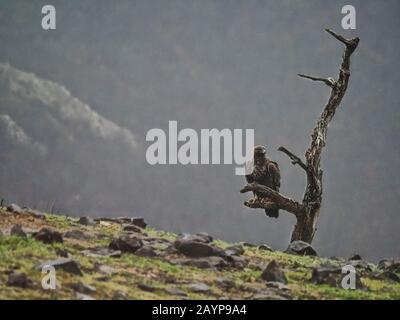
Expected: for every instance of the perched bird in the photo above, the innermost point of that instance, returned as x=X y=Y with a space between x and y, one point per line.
x=265 y=172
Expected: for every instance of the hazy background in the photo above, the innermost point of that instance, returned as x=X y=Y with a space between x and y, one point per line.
x=76 y=104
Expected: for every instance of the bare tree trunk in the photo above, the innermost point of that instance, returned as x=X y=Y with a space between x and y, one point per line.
x=307 y=211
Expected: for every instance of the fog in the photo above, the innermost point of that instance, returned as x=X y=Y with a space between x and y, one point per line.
x=76 y=104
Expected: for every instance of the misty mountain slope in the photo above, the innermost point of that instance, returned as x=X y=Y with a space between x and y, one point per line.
x=52 y=137
x=122 y=258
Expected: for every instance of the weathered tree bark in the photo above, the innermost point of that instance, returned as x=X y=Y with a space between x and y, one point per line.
x=307 y=211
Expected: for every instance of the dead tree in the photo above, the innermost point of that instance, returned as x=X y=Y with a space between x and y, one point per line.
x=307 y=211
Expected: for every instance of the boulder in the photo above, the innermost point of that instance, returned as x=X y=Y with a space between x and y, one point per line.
x=98 y=252
x=137 y=221
x=18 y=279
x=76 y=234
x=392 y=265
x=355 y=257
x=66 y=264
x=236 y=250
x=198 y=288
x=127 y=244
x=198 y=237
x=301 y=248
x=86 y=221
x=265 y=247
x=82 y=287
x=273 y=273
x=48 y=236
x=146 y=251
x=17 y=230
x=14 y=208
x=205 y=263
x=131 y=228
x=197 y=249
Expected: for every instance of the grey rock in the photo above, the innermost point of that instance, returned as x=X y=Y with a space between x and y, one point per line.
x=18 y=279
x=198 y=237
x=104 y=269
x=198 y=288
x=355 y=257
x=131 y=228
x=301 y=248
x=273 y=273
x=265 y=247
x=146 y=287
x=176 y=292
x=66 y=264
x=76 y=234
x=234 y=250
x=62 y=253
x=146 y=251
x=48 y=236
x=137 y=221
x=225 y=283
x=14 y=208
x=126 y=244
x=390 y=264
x=81 y=296
x=120 y=295
x=277 y=285
x=82 y=287
x=17 y=230
x=330 y=275
x=237 y=262
x=390 y=276
x=196 y=249
x=98 y=252
x=35 y=213
x=206 y=263
x=86 y=221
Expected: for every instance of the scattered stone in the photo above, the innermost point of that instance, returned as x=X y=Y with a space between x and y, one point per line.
x=120 y=295
x=273 y=273
x=265 y=247
x=17 y=230
x=237 y=262
x=14 y=208
x=198 y=288
x=146 y=287
x=127 y=244
x=234 y=250
x=249 y=245
x=176 y=292
x=86 y=221
x=98 y=252
x=18 y=279
x=225 y=283
x=206 y=263
x=277 y=285
x=104 y=269
x=196 y=249
x=146 y=251
x=48 y=236
x=35 y=213
x=131 y=228
x=331 y=275
x=82 y=288
x=76 y=234
x=62 y=253
x=390 y=264
x=390 y=275
x=198 y=237
x=355 y=257
x=137 y=221
x=81 y=296
x=66 y=264
x=301 y=248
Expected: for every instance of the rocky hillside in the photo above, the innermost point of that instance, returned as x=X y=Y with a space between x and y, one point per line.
x=123 y=258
